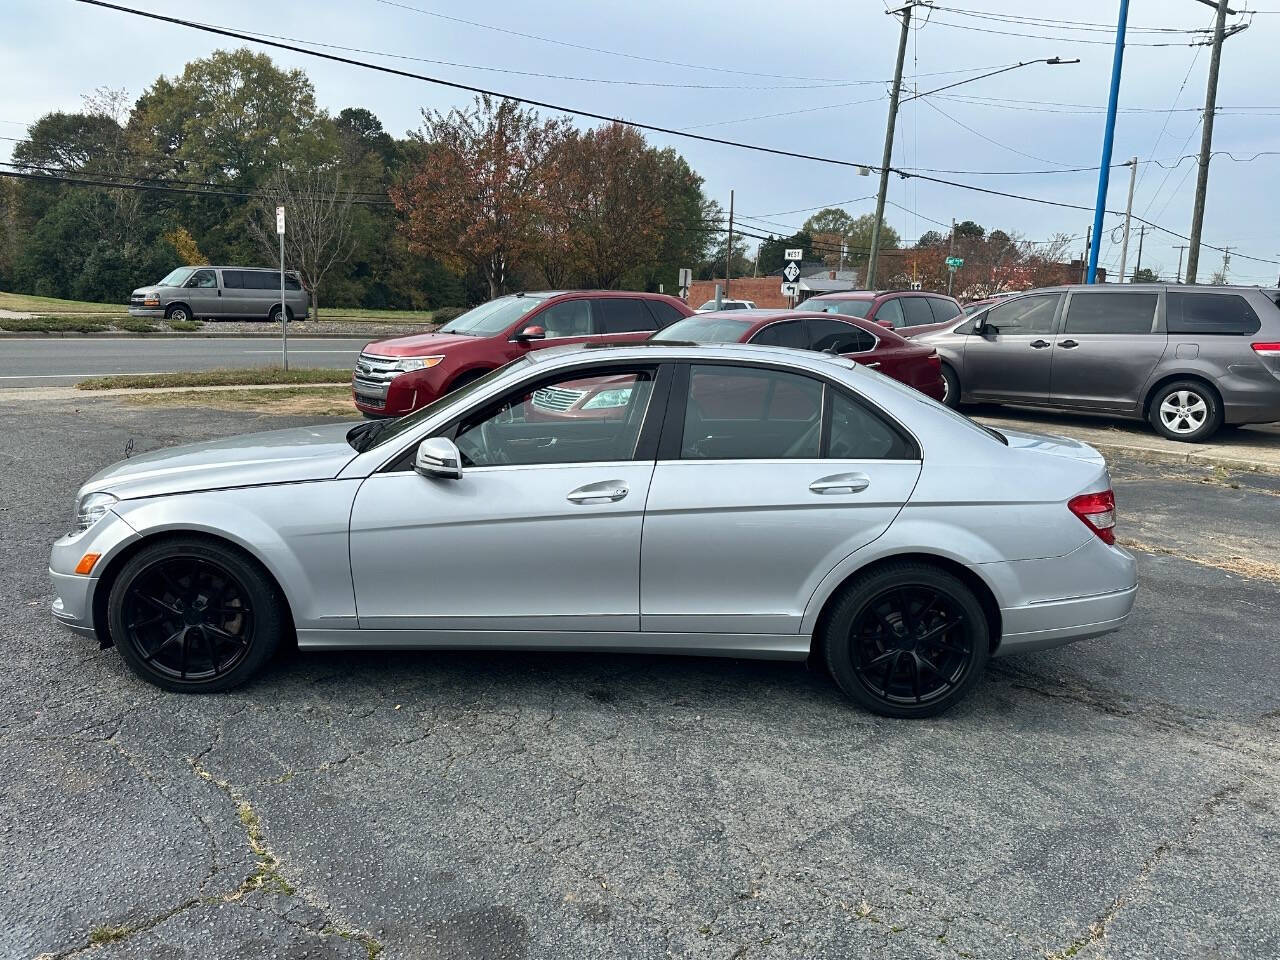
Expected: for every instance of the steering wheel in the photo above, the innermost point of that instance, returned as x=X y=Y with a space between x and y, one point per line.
x=495 y=451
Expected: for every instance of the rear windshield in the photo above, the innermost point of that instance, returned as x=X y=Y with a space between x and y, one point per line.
x=704 y=329
x=492 y=317
x=846 y=308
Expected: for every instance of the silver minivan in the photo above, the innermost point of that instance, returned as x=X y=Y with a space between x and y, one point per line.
x=223 y=293
x=1186 y=359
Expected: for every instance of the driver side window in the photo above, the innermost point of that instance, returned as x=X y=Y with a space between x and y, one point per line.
x=583 y=418
x=1024 y=315
x=203 y=278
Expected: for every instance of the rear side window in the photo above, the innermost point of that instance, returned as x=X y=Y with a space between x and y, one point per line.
x=943 y=310
x=292 y=283
x=890 y=311
x=789 y=333
x=623 y=315
x=1222 y=314
x=839 y=337
x=749 y=413
x=260 y=280
x=231 y=279
x=917 y=311
x=858 y=434
x=664 y=314
x=1117 y=313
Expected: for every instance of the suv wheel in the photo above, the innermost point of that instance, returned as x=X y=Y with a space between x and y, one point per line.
x=1186 y=410
x=907 y=640
x=950 y=387
x=179 y=312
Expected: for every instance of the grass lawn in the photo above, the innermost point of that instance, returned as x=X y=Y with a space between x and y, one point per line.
x=308 y=401
x=21 y=303
x=250 y=376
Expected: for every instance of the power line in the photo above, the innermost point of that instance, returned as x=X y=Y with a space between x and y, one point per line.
x=1004 y=146
x=1061 y=39
x=154 y=187
x=1050 y=23
x=136 y=178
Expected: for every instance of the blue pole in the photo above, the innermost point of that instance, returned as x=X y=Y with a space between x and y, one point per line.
x=1104 y=174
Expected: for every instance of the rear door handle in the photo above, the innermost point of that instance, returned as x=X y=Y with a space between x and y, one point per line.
x=606 y=491
x=874 y=365
x=1068 y=344
x=841 y=482
x=1039 y=344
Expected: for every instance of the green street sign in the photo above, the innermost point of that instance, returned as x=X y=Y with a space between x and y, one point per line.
x=955 y=263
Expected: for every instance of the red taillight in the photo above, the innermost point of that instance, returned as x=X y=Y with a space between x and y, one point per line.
x=1098 y=511
x=1266 y=349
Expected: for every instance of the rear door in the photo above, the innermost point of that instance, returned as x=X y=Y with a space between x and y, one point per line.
x=1012 y=356
x=1109 y=343
x=766 y=479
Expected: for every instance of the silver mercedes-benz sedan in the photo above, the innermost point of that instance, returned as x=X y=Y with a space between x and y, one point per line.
x=722 y=500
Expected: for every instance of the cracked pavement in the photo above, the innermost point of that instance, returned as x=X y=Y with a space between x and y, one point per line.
x=1114 y=798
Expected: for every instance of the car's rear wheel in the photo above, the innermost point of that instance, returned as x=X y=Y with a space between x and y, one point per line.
x=950 y=387
x=274 y=315
x=180 y=312
x=1186 y=410
x=194 y=616
x=906 y=640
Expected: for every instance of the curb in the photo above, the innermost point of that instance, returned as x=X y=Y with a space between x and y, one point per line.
x=1185 y=459
x=189 y=335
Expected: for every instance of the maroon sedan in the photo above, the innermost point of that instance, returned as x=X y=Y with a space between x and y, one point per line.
x=393 y=377
x=909 y=312
x=862 y=341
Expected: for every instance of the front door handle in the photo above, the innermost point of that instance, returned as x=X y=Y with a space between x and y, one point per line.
x=1068 y=344
x=606 y=491
x=841 y=482
x=1039 y=344
x=874 y=365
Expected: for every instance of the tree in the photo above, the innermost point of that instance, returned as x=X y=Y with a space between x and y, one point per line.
x=834 y=231
x=772 y=251
x=932 y=238
x=967 y=228
x=317 y=212
x=1147 y=275
x=476 y=199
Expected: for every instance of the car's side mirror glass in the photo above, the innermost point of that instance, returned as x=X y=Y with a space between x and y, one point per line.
x=438 y=457
x=532 y=332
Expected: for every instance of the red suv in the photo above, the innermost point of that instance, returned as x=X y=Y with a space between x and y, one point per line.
x=393 y=377
x=909 y=312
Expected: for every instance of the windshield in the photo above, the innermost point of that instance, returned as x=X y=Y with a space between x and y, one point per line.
x=492 y=317
x=847 y=308
x=375 y=433
x=705 y=329
x=176 y=278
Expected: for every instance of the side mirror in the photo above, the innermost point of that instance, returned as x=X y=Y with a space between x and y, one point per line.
x=532 y=332
x=438 y=457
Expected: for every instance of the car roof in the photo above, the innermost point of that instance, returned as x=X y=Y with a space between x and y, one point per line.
x=548 y=294
x=748 y=352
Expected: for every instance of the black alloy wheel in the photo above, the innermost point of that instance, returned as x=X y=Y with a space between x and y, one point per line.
x=909 y=640
x=193 y=616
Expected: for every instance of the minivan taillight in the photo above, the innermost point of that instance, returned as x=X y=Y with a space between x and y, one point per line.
x=1266 y=349
x=1098 y=512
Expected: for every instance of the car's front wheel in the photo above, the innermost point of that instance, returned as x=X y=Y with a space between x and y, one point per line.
x=194 y=616
x=179 y=312
x=906 y=640
x=274 y=315
x=950 y=387
x=1186 y=410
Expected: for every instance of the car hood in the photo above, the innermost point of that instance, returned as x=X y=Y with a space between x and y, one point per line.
x=420 y=344
x=145 y=291
x=1052 y=445
x=278 y=456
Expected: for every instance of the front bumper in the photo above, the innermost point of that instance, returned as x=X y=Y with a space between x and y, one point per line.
x=73 y=593
x=146 y=311
x=403 y=394
x=73 y=601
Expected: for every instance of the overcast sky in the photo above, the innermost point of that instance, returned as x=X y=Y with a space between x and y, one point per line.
x=772 y=58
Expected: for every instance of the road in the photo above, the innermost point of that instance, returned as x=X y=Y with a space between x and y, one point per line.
x=61 y=361
x=1115 y=797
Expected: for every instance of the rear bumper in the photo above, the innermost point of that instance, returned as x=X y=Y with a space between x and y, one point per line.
x=1038 y=626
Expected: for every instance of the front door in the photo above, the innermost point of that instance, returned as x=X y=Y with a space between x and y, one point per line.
x=203 y=293
x=542 y=531
x=1107 y=348
x=1011 y=357
x=766 y=480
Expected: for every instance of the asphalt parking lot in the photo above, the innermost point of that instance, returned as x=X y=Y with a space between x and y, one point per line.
x=1118 y=797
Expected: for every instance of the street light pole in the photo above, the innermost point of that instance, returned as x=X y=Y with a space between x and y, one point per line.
x=1108 y=139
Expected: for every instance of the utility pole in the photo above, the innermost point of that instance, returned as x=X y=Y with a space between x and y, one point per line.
x=1142 y=233
x=1177 y=277
x=1108 y=137
x=1226 y=262
x=1128 y=214
x=951 y=252
x=887 y=157
x=1206 y=137
x=1086 y=276
x=728 y=255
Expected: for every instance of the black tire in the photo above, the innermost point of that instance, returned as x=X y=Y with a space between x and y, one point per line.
x=180 y=312
x=896 y=617
x=274 y=314
x=950 y=387
x=1193 y=413
x=465 y=378
x=164 y=624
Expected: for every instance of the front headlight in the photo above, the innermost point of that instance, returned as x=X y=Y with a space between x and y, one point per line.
x=417 y=363
x=91 y=508
x=608 y=399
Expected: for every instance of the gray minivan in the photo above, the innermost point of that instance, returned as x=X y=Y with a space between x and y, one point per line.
x=1185 y=358
x=223 y=293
